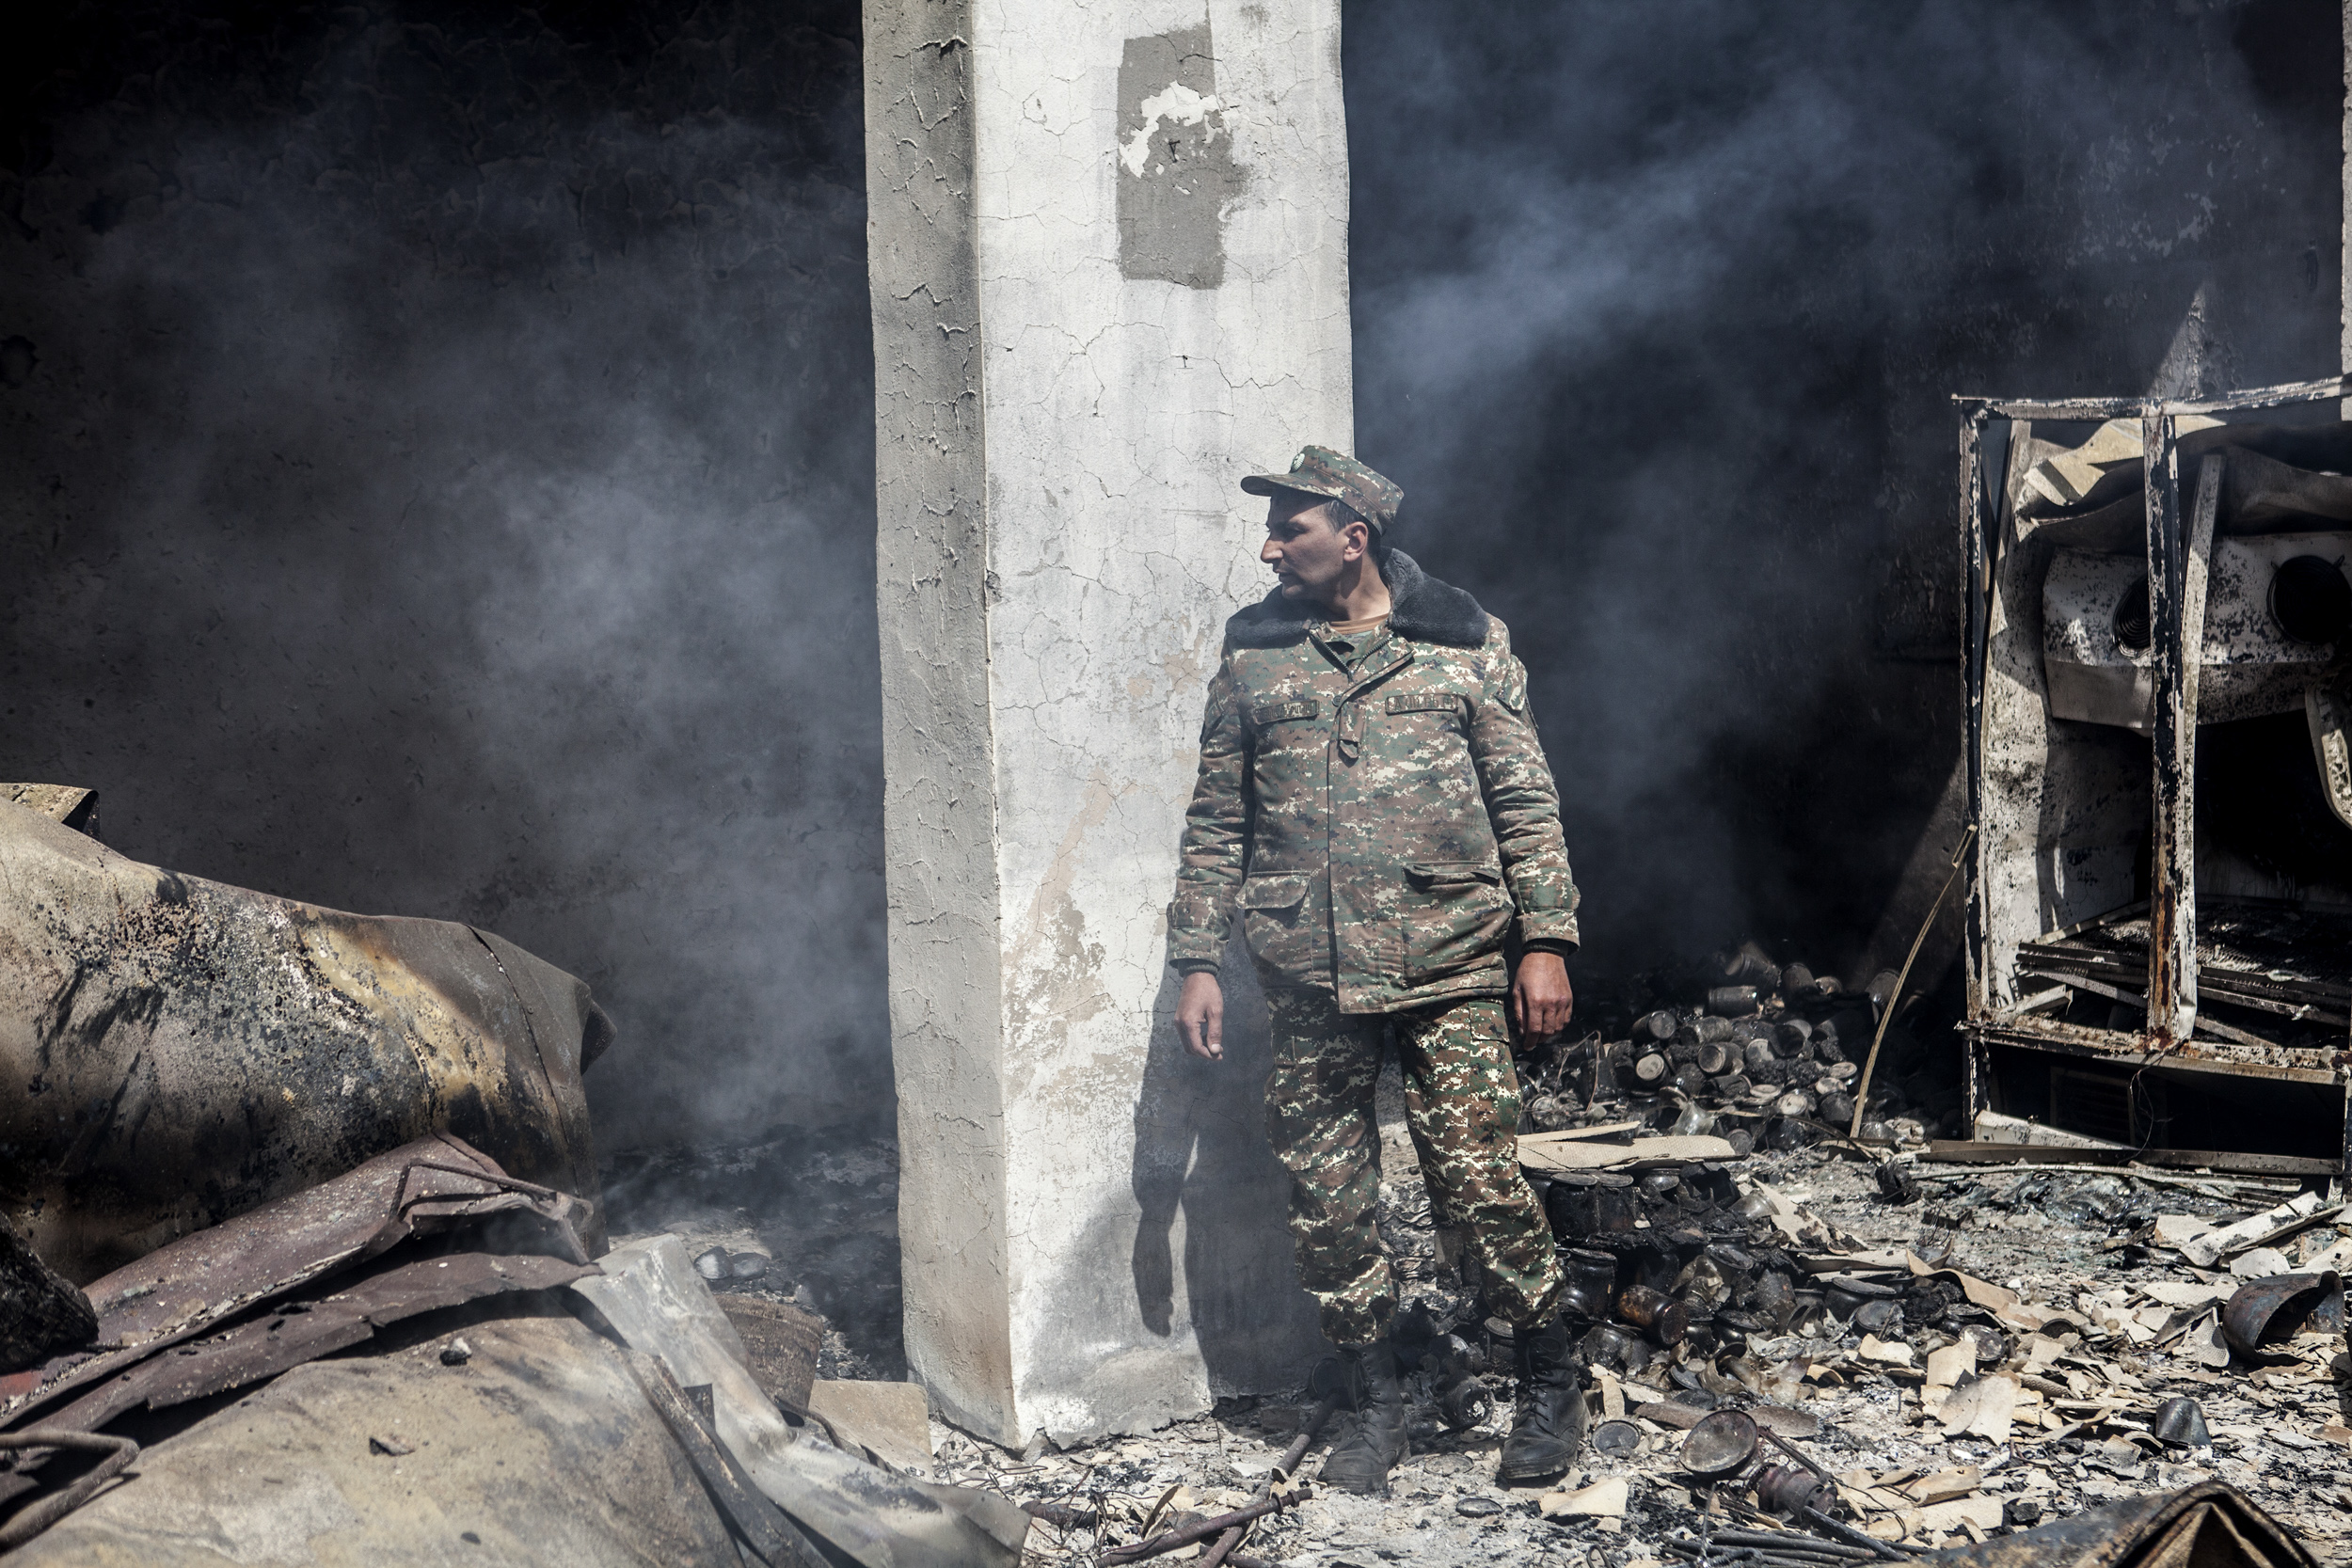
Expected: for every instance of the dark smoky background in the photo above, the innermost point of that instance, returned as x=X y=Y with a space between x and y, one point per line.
x=438 y=469
x=439 y=481
x=1658 y=312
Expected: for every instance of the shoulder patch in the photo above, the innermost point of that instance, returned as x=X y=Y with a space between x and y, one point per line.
x=1223 y=704
x=1511 y=691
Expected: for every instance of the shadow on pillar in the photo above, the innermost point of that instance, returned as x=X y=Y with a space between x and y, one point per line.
x=1201 y=1156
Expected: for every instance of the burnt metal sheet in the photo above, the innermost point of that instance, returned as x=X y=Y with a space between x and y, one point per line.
x=185 y=1287
x=764 y=1528
x=2266 y=1312
x=2212 y=1523
x=2247 y=663
x=653 y=1300
x=2328 y=717
x=174 y=1052
x=2076 y=818
x=540 y=1445
x=311 y=1325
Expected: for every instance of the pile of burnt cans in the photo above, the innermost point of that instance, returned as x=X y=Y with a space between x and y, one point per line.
x=1765 y=1056
x=1684 y=1284
x=1679 y=1282
x=1670 y=1263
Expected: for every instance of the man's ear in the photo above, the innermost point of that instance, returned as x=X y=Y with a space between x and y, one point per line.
x=1358 y=536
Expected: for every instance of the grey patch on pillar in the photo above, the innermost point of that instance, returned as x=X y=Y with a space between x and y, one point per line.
x=1176 y=170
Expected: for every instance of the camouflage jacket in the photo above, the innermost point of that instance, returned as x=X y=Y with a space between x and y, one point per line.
x=1380 y=830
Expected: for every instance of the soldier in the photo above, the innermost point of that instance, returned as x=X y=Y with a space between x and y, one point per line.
x=1374 y=800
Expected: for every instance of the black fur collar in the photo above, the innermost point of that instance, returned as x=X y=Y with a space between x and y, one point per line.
x=1421 y=608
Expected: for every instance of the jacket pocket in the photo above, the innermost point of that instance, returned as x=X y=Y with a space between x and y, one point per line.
x=1279 y=918
x=1456 y=914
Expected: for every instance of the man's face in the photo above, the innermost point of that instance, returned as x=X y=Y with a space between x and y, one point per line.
x=1306 y=544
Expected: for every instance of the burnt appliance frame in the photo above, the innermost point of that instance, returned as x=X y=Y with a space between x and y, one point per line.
x=2062 y=850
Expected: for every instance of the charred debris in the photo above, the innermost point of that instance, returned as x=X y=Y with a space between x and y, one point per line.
x=1765 y=1056
x=1827 y=1353
x=1820 y=1323
x=2159 y=933
x=388 y=1311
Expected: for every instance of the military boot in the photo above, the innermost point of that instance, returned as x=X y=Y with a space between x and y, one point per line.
x=1550 y=1425
x=1375 y=1438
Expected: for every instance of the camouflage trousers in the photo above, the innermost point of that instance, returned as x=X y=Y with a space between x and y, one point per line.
x=1462 y=1106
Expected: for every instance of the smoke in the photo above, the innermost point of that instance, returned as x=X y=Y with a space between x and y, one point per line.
x=438 y=441
x=442 y=484
x=1658 y=310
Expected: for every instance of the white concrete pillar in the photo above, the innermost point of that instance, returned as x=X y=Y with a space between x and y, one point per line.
x=1109 y=272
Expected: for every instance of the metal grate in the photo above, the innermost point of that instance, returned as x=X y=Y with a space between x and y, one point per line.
x=2097 y=1105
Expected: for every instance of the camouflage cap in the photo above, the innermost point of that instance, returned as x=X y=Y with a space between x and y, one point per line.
x=1321 y=472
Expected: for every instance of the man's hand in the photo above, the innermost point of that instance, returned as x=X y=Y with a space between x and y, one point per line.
x=1200 y=1014
x=1541 y=1000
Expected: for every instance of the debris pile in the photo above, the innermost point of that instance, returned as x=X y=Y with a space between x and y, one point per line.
x=1822 y=1355
x=1801 y=1349
x=784 y=1461
x=257 y=1273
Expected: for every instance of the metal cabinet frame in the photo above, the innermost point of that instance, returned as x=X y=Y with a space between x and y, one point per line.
x=1994 y=434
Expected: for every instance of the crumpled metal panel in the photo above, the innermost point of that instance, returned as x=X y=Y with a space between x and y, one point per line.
x=317 y=1322
x=174 y=1052
x=650 y=1295
x=182 y=1290
x=2266 y=1312
x=2210 y=1525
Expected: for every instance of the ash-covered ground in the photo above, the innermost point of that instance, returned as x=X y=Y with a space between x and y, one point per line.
x=2120 y=1330
x=2041 y=1234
